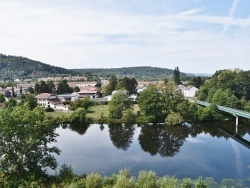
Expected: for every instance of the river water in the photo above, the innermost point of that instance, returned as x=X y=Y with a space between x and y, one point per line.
x=210 y=149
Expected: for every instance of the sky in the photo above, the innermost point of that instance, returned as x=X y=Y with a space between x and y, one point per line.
x=198 y=36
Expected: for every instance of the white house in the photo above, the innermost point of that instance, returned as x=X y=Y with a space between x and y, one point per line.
x=48 y=100
x=190 y=91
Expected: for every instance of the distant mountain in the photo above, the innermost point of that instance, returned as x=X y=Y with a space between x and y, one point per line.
x=145 y=71
x=12 y=67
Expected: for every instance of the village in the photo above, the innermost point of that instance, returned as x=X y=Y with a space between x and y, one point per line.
x=91 y=89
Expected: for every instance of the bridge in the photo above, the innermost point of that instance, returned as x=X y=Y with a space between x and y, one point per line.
x=234 y=112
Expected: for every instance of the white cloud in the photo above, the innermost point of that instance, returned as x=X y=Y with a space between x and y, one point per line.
x=79 y=34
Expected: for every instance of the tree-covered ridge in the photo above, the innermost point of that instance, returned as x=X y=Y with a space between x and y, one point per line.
x=130 y=71
x=16 y=67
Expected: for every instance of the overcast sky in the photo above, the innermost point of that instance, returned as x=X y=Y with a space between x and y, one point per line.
x=198 y=36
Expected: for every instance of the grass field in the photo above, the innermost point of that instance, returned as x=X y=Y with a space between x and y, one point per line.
x=56 y=114
x=94 y=112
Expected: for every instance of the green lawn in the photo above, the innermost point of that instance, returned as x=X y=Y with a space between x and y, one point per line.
x=94 y=112
x=57 y=114
x=97 y=110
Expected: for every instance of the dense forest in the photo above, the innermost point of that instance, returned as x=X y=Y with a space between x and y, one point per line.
x=143 y=72
x=12 y=67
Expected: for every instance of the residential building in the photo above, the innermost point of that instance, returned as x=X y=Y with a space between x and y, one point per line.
x=190 y=91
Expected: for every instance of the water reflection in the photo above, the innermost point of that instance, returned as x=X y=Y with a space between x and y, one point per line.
x=191 y=150
x=121 y=135
x=162 y=139
x=81 y=129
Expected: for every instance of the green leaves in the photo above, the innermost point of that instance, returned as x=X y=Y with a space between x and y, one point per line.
x=24 y=139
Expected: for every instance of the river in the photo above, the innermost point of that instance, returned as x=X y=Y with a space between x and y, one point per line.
x=190 y=150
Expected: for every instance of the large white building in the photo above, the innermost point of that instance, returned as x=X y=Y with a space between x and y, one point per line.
x=48 y=100
x=190 y=91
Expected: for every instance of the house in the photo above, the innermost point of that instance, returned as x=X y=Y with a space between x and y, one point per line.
x=68 y=97
x=190 y=91
x=180 y=88
x=87 y=93
x=48 y=100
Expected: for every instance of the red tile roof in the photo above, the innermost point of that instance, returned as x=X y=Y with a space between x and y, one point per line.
x=43 y=96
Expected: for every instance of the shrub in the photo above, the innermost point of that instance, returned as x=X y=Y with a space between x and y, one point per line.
x=128 y=116
x=125 y=180
x=186 y=183
x=147 y=179
x=49 y=109
x=94 y=180
x=109 y=181
x=174 y=119
x=167 y=182
x=200 y=183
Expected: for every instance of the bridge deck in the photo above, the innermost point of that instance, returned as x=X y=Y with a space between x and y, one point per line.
x=232 y=111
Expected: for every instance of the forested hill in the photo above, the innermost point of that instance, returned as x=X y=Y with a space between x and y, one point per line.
x=130 y=71
x=12 y=67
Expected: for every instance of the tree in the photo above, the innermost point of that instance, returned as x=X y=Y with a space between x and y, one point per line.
x=198 y=82
x=76 y=89
x=128 y=84
x=118 y=104
x=81 y=103
x=30 y=100
x=2 y=99
x=51 y=87
x=11 y=103
x=25 y=142
x=108 y=89
x=78 y=116
x=152 y=105
x=177 y=76
x=63 y=87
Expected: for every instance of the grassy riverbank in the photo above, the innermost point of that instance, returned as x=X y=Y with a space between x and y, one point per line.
x=123 y=179
x=94 y=112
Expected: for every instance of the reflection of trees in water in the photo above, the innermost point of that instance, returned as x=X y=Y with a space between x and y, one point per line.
x=212 y=128
x=163 y=139
x=80 y=128
x=121 y=135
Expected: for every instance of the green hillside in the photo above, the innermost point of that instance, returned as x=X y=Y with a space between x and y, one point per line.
x=145 y=71
x=12 y=67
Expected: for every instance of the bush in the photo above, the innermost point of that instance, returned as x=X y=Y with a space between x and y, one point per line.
x=125 y=180
x=49 y=109
x=167 y=182
x=200 y=183
x=186 y=183
x=128 y=116
x=94 y=180
x=109 y=181
x=174 y=119
x=147 y=179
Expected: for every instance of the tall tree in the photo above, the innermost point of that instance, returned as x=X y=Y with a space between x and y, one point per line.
x=108 y=89
x=128 y=84
x=63 y=87
x=177 y=76
x=118 y=104
x=25 y=142
x=152 y=104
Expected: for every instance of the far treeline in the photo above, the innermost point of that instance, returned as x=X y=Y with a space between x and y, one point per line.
x=141 y=73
